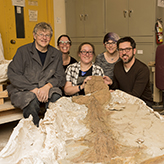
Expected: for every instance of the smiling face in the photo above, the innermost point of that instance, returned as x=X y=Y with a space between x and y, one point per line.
x=111 y=46
x=86 y=54
x=126 y=52
x=64 y=45
x=42 y=39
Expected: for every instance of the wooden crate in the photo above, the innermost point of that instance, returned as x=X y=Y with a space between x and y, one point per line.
x=8 y=112
x=3 y=93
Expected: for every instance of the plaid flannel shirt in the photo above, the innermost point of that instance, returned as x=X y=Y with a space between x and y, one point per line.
x=72 y=72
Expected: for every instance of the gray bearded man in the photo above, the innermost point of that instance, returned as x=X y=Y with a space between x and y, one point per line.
x=36 y=73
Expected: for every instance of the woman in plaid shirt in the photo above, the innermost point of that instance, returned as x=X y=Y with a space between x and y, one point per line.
x=77 y=74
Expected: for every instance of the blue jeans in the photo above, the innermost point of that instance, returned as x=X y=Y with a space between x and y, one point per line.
x=33 y=108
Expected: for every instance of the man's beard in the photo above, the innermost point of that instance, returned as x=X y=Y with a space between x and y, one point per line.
x=129 y=60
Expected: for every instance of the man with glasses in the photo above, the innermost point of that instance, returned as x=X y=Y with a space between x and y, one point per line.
x=36 y=74
x=130 y=74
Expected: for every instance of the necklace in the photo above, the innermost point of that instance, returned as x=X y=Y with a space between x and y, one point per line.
x=110 y=58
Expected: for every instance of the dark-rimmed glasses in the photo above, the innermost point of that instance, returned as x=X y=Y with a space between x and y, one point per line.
x=124 y=49
x=86 y=52
x=110 y=43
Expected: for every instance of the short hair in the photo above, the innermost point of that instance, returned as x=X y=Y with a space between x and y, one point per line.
x=43 y=26
x=111 y=36
x=64 y=35
x=79 y=49
x=127 y=39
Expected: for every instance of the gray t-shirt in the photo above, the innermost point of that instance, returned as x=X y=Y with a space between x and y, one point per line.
x=107 y=67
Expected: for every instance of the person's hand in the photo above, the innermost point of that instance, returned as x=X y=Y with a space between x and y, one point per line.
x=107 y=80
x=35 y=91
x=43 y=93
x=85 y=81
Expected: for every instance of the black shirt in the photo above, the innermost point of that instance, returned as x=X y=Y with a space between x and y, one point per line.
x=42 y=56
x=71 y=62
x=82 y=76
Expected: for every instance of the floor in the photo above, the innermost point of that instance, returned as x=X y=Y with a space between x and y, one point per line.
x=5 y=132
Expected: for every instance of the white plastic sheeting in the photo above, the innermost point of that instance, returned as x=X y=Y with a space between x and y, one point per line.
x=3 y=63
x=1 y=49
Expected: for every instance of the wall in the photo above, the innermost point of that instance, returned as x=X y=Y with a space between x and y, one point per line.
x=25 y=23
x=59 y=18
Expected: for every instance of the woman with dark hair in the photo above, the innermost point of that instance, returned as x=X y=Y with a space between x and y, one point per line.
x=110 y=57
x=78 y=74
x=64 y=44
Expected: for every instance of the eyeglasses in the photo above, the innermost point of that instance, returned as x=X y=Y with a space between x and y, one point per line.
x=42 y=36
x=66 y=42
x=110 y=43
x=87 y=52
x=125 y=49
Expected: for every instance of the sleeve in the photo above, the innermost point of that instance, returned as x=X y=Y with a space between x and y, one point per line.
x=68 y=73
x=58 y=79
x=101 y=72
x=98 y=60
x=97 y=71
x=115 y=84
x=16 y=71
x=142 y=79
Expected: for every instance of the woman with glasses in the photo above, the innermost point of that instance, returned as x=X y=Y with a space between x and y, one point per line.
x=78 y=74
x=110 y=57
x=64 y=44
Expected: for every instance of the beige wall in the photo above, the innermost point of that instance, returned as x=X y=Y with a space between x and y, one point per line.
x=59 y=19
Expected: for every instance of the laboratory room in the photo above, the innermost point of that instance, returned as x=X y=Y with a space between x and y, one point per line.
x=81 y=81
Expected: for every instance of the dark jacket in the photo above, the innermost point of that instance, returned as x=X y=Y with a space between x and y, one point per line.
x=26 y=72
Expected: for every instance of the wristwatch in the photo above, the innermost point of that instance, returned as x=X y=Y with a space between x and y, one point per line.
x=80 y=88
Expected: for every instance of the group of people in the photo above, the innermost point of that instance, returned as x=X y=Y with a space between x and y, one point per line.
x=40 y=74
